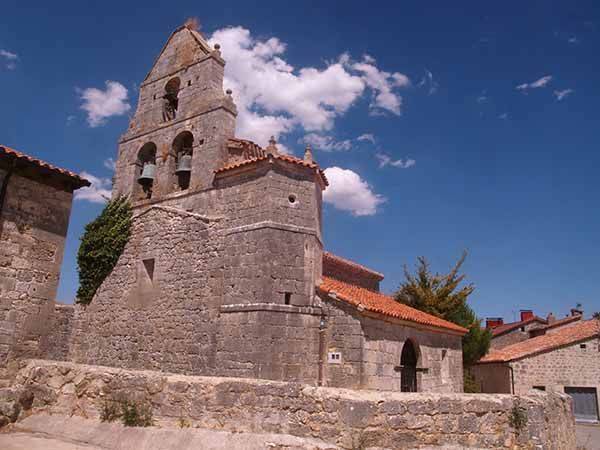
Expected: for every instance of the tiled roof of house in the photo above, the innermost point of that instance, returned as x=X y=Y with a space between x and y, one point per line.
x=382 y=304
x=76 y=179
x=265 y=156
x=347 y=265
x=561 y=322
x=250 y=149
x=505 y=328
x=547 y=342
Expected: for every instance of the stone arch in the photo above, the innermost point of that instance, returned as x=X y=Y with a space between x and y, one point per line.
x=171 y=99
x=409 y=360
x=145 y=170
x=183 y=152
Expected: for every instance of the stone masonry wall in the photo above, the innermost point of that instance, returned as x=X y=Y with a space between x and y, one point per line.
x=337 y=416
x=33 y=229
x=570 y=366
x=158 y=307
x=56 y=344
x=269 y=341
x=567 y=366
x=371 y=349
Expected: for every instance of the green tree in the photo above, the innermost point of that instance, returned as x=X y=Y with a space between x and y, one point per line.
x=101 y=246
x=443 y=296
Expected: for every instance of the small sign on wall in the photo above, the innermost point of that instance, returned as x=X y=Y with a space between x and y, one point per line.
x=334 y=357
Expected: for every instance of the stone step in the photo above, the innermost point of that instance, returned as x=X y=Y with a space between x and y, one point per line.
x=42 y=431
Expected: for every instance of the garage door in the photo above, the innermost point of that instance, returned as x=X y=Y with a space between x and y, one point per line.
x=585 y=403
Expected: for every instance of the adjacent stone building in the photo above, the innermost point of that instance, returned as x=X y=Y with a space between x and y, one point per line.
x=225 y=272
x=530 y=325
x=564 y=359
x=35 y=204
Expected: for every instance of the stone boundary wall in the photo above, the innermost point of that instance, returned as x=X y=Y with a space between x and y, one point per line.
x=336 y=416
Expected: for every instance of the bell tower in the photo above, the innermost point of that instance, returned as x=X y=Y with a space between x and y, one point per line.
x=178 y=135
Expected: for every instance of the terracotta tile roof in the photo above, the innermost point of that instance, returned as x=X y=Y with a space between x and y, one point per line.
x=76 y=179
x=250 y=149
x=279 y=157
x=383 y=304
x=567 y=336
x=561 y=322
x=501 y=329
x=347 y=265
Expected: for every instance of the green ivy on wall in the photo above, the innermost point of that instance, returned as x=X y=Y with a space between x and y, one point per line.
x=101 y=246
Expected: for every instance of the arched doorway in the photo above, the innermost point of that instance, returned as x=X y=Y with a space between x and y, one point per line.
x=408 y=363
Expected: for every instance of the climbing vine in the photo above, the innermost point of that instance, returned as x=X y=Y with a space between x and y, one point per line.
x=101 y=246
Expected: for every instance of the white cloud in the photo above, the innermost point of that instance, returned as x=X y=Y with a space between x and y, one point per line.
x=109 y=163
x=326 y=143
x=366 y=137
x=563 y=94
x=482 y=99
x=386 y=160
x=273 y=97
x=539 y=83
x=382 y=83
x=503 y=116
x=98 y=192
x=100 y=105
x=10 y=59
x=429 y=83
x=573 y=40
x=347 y=191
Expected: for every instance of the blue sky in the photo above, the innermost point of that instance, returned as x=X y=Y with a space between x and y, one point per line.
x=479 y=123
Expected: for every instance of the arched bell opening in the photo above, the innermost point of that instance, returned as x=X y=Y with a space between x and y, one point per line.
x=146 y=169
x=183 y=149
x=171 y=99
x=408 y=367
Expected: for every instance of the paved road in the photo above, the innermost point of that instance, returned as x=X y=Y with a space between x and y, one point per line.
x=588 y=437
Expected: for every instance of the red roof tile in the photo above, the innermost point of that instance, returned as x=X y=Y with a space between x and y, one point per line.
x=383 y=304
x=347 y=265
x=505 y=328
x=76 y=179
x=279 y=157
x=567 y=336
x=561 y=322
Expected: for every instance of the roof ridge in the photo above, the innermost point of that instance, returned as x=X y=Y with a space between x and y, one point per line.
x=584 y=330
x=353 y=264
x=79 y=181
x=383 y=304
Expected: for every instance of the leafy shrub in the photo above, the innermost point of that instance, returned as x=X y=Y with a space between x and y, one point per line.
x=110 y=411
x=136 y=415
x=517 y=417
x=101 y=246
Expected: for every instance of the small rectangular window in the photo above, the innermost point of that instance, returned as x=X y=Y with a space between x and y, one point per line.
x=334 y=358
x=523 y=329
x=583 y=346
x=540 y=388
x=287 y=298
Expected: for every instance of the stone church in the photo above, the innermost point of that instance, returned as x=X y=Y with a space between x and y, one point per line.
x=225 y=272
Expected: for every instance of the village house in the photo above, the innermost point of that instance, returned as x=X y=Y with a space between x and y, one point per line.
x=35 y=204
x=529 y=325
x=563 y=359
x=225 y=272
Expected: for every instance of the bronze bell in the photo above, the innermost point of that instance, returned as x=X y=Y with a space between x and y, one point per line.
x=184 y=164
x=148 y=172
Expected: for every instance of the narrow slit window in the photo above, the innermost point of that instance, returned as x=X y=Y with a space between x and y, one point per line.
x=149 y=266
x=287 y=298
